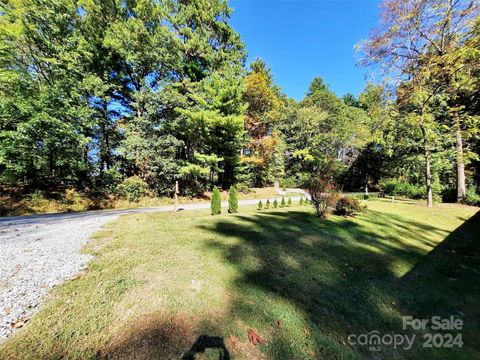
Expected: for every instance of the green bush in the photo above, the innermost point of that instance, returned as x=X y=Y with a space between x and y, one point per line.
x=400 y=188
x=449 y=195
x=472 y=198
x=36 y=197
x=267 y=204
x=110 y=179
x=232 y=200
x=283 y=203
x=244 y=188
x=275 y=203
x=301 y=200
x=363 y=196
x=348 y=206
x=289 y=182
x=216 y=202
x=76 y=201
x=260 y=205
x=132 y=188
x=289 y=202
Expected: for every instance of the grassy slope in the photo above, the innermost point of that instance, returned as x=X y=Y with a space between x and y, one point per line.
x=160 y=281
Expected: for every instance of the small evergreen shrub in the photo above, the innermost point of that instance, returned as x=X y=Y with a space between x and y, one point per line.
x=348 y=206
x=275 y=203
x=133 y=188
x=260 y=205
x=267 y=204
x=289 y=202
x=282 y=203
x=232 y=200
x=216 y=202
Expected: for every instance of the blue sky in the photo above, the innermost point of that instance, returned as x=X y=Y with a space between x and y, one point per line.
x=304 y=39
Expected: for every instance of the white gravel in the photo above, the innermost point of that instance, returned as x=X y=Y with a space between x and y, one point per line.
x=35 y=255
x=39 y=252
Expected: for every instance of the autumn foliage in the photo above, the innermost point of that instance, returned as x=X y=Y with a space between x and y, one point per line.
x=323 y=193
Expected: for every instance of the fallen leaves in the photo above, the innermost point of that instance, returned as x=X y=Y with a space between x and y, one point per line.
x=254 y=337
x=19 y=323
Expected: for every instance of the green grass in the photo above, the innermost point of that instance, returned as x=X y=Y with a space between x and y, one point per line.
x=162 y=281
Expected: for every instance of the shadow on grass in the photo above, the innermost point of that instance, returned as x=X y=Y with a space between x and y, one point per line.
x=446 y=282
x=342 y=276
x=324 y=280
x=205 y=342
x=163 y=336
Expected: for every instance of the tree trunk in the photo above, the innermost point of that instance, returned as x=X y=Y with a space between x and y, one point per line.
x=428 y=170
x=105 y=151
x=428 y=179
x=461 y=187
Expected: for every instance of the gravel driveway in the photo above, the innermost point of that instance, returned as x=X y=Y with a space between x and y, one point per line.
x=41 y=251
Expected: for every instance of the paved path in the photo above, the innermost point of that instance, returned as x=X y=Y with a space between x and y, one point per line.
x=41 y=251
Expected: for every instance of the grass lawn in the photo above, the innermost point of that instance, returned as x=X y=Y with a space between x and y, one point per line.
x=163 y=286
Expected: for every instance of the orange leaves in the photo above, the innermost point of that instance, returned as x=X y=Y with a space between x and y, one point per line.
x=264 y=105
x=254 y=337
x=263 y=150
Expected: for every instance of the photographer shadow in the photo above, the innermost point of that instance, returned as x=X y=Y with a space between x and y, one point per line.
x=205 y=342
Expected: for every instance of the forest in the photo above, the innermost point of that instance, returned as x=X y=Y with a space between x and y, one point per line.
x=100 y=96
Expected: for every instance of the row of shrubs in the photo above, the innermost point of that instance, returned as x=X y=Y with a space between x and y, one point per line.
x=344 y=205
x=216 y=201
x=282 y=204
x=393 y=187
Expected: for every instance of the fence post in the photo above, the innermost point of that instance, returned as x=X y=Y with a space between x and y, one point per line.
x=175 y=206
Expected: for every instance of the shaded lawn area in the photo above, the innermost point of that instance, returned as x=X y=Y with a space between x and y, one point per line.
x=169 y=286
